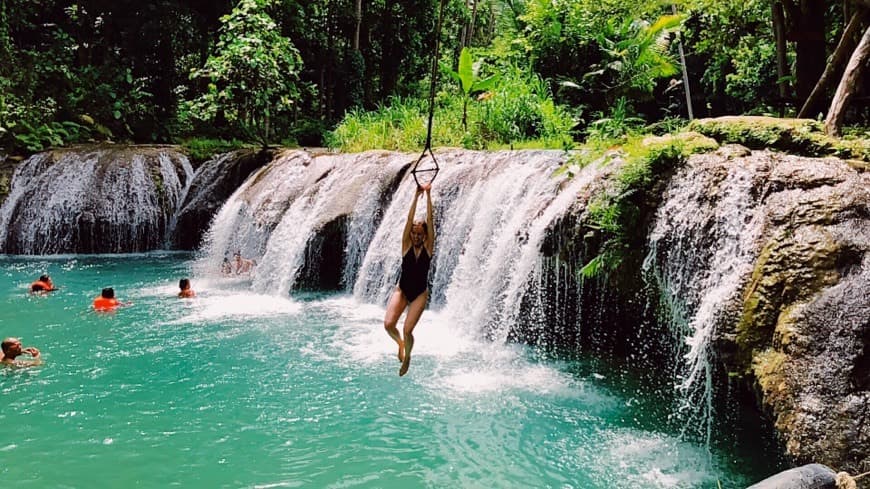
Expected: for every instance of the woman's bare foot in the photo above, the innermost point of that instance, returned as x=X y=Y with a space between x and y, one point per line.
x=406 y=362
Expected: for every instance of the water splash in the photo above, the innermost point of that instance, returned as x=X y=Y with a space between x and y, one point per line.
x=703 y=245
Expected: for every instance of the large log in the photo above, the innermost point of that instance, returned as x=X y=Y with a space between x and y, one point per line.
x=846 y=45
x=848 y=85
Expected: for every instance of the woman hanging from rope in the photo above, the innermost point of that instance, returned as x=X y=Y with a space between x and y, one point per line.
x=418 y=245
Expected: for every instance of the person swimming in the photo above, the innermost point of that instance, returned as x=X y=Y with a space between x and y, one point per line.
x=186 y=292
x=243 y=265
x=42 y=285
x=106 y=300
x=412 y=291
x=12 y=349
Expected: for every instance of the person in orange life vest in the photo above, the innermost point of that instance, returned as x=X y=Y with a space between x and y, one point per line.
x=186 y=291
x=44 y=284
x=12 y=348
x=418 y=247
x=106 y=301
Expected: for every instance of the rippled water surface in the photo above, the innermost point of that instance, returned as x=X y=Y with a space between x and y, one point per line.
x=234 y=389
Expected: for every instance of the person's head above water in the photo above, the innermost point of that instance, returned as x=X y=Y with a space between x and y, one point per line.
x=184 y=284
x=11 y=346
x=44 y=278
x=108 y=293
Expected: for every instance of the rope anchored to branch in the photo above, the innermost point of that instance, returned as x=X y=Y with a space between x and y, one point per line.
x=424 y=167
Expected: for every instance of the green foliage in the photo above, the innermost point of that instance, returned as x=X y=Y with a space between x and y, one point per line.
x=517 y=111
x=521 y=109
x=356 y=69
x=43 y=136
x=754 y=64
x=614 y=215
x=204 y=149
x=736 y=40
x=467 y=75
x=568 y=65
x=616 y=124
x=635 y=55
x=253 y=76
x=399 y=124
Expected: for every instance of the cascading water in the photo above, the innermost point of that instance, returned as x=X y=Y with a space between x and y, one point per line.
x=493 y=212
x=100 y=200
x=703 y=245
x=275 y=214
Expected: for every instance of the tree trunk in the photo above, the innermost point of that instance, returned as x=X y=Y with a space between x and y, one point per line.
x=781 y=49
x=846 y=45
x=357 y=15
x=809 y=34
x=392 y=52
x=473 y=20
x=463 y=32
x=848 y=85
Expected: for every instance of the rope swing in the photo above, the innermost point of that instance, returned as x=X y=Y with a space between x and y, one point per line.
x=432 y=168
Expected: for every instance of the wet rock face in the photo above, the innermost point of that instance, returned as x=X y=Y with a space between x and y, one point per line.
x=803 y=332
x=100 y=199
x=7 y=167
x=213 y=183
x=764 y=261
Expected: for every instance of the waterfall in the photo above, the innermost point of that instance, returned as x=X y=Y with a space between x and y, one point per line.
x=702 y=249
x=93 y=200
x=275 y=214
x=493 y=212
x=179 y=199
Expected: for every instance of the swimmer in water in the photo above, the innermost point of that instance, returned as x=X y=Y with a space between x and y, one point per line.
x=186 y=292
x=42 y=286
x=12 y=349
x=107 y=301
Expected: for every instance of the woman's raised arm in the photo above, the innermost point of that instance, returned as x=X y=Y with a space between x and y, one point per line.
x=406 y=234
x=430 y=222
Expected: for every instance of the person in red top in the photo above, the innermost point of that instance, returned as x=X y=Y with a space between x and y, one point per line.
x=186 y=291
x=106 y=301
x=44 y=284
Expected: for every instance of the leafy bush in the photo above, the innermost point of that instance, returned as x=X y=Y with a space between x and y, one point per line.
x=204 y=149
x=614 y=215
x=516 y=111
x=616 y=124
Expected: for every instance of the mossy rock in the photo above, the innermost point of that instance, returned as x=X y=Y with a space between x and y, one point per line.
x=691 y=142
x=798 y=136
x=791 y=268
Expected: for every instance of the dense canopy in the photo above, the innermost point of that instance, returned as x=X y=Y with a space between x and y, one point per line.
x=312 y=72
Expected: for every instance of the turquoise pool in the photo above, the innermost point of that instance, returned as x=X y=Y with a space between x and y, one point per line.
x=239 y=390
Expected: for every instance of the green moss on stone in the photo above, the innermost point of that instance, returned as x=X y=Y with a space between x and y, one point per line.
x=768 y=367
x=799 y=136
x=789 y=270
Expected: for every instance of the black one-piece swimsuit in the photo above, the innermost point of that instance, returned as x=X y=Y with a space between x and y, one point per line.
x=415 y=273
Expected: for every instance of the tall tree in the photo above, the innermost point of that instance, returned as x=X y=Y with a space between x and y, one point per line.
x=848 y=41
x=254 y=73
